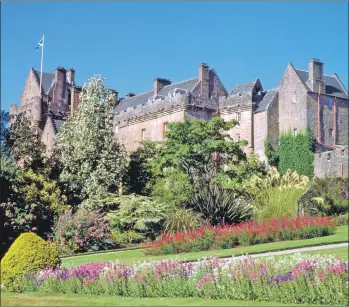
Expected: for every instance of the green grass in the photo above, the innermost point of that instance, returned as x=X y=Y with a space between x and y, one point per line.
x=131 y=256
x=35 y=299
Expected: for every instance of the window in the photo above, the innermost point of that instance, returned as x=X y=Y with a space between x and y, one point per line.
x=330 y=132
x=238 y=137
x=69 y=98
x=238 y=116
x=143 y=134
x=295 y=132
x=329 y=103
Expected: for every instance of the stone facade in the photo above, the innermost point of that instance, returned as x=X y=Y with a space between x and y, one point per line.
x=49 y=107
x=304 y=99
x=144 y=116
x=331 y=163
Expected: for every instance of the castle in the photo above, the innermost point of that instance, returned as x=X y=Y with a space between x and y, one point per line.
x=303 y=99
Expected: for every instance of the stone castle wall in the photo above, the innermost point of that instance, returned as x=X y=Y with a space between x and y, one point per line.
x=331 y=163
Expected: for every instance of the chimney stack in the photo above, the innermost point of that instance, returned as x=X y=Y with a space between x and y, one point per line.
x=71 y=75
x=315 y=77
x=159 y=84
x=204 y=79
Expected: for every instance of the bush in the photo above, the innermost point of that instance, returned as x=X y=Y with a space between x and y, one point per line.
x=182 y=220
x=250 y=233
x=83 y=231
x=218 y=205
x=139 y=213
x=329 y=196
x=127 y=237
x=27 y=255
x=274 y=196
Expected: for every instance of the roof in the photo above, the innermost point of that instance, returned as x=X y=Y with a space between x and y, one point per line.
x=57 y=124
x=47 y=80
x=143 y=98
x=267 y=99
x=332 y=85
x=243 y=88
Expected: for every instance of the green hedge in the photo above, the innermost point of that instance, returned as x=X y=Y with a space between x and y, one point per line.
x=297 y=153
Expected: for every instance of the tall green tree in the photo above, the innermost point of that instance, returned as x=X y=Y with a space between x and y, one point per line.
x=25 y=146
x=198 y=148
x=5 y=121
x=92 y=161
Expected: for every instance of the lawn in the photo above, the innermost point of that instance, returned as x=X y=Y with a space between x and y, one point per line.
x=131 y=256
x=35 y=299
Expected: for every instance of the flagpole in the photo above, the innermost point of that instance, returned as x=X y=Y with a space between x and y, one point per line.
x=42 y=60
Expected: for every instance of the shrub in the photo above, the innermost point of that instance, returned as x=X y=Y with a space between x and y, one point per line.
x=139 y=213
x=330 y=196
x=250 y=233
x=182 y=220
x=27 y=255
x=219 y=205
x=127 y=237
x=274 y=196
x=83 y=231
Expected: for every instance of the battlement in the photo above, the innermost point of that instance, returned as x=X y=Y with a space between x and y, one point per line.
x=163 y=105
x=235 y=101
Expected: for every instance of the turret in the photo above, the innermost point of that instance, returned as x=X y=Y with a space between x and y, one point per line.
x=37 y=110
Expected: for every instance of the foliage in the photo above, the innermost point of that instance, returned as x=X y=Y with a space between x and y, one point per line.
x=127 y=237
x=319 y=280
x=239 y=173
x=138 y=175
x=217 y=205
x=40 y=190
x=182 y=220
x=297 y=153
x=192 y=147
x=330 y=196
x=342 y=219
x=271 y=154
x=83 y=231
x=93 y=163
x=139 y=213
x=275 y=195
x=245 y=234
x=9 y=175
x=26 y=148
x=27 y=255
x=4 y=132
x=173 y=187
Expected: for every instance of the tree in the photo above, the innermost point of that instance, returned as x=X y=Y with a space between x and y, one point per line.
x=5 y=119
x=198 y=148
x=93 y=163
x=25 y=146
x=271 y=154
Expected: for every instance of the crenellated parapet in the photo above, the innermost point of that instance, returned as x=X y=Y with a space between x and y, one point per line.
x=156 y=106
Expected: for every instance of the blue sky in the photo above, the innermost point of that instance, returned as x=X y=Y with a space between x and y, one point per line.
x=131 y=43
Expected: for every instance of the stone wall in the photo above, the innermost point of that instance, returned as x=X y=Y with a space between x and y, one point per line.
x=292 y=102
x=331 y=163
x=130 y=135
x=327 y=112
x=260 y=133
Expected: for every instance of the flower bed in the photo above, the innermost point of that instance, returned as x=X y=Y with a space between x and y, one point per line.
x=244 y=234
x=297 y=279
